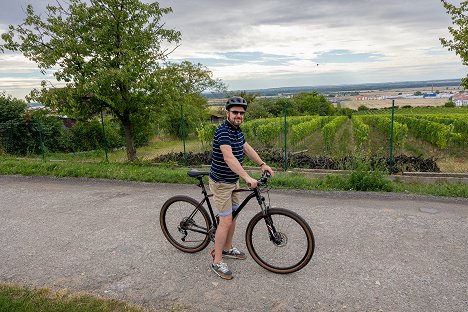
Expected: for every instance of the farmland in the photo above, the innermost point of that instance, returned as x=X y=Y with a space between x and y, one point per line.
x=439 y=133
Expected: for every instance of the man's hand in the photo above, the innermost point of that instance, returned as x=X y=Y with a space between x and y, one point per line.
x=265 y=167
x=251 y=182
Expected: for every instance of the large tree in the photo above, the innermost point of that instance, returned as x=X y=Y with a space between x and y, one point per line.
x=107 y=52
x=183 y=84
x=459 y=31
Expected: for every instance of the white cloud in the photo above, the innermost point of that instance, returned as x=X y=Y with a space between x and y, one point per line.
x=283 y=41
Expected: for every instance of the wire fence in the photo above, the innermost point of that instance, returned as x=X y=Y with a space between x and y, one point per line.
x=439 y=133
x=433 y=132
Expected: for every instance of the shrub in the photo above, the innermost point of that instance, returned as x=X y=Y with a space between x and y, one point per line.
x=363 y=178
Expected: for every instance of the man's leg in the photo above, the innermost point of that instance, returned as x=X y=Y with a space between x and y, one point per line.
x=235 y=200
x=230 y=235
x=221 y=237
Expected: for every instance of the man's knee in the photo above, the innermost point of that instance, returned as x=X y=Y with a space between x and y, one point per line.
x=225 y=221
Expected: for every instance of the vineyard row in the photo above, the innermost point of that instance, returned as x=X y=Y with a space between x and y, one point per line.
x=439 y=130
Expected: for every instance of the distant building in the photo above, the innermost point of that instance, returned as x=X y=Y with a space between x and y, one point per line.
x=215 y=118
x=35 y=106
x=370 y=97
x=460 y=99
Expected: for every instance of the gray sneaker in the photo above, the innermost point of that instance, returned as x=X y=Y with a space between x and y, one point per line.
x=222 y=270
x=234 y=253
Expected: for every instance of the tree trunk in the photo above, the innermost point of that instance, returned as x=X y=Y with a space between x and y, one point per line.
x=131 y=151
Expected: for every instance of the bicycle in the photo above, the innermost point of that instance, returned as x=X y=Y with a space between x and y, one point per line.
x=285 y=245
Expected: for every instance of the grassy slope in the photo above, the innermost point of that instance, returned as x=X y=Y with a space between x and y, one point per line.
x=146 y=172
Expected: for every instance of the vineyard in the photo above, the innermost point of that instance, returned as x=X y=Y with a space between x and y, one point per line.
x=415 y=136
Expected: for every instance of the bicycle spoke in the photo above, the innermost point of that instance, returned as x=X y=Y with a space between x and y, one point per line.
x=185 y=226
x=290 y=247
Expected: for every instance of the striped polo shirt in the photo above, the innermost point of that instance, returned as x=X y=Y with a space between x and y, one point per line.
x=226 y=134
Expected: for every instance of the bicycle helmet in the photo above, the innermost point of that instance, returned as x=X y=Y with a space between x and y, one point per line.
x=236 y=101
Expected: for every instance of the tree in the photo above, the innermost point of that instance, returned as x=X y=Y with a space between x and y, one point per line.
x=313 y=103
x=12 y=129
x=459 y=31
x=183 y=85
x=195 y=78
x=108 y=54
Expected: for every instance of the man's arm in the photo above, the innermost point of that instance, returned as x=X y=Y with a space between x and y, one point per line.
x=253 y=155
x=235 y=165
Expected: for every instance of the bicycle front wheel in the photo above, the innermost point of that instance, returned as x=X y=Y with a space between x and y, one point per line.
x=280 y=241
x=185 y=224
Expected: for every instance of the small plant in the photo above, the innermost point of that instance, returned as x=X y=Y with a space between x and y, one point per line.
x=364 y=178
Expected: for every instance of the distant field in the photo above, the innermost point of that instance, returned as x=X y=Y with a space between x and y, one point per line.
x=354 y=104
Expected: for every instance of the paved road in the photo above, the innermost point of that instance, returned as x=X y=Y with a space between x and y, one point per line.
x=375 y=252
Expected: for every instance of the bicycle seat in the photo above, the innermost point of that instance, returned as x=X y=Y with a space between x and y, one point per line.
x=195 y=173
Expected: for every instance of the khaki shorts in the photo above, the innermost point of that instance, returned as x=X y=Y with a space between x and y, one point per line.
x=225 y=200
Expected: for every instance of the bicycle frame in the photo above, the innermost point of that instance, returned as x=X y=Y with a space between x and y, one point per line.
x=254 y=193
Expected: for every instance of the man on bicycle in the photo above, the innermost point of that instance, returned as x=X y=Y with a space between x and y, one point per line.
x=229 y=147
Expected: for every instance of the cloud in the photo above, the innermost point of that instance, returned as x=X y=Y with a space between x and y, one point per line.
x=279 y=43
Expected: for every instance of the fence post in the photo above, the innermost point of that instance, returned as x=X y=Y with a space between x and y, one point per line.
x=391 y=138
x=325 y=139
x=183 y=132
x=285 y=163
x=41 y=140
x=104 y=135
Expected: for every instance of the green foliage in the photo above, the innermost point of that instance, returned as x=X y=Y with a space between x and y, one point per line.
x=108 y=53
x=43 y=129
x=206 y=132
x=329 y=130
x=193 y=106
x=363 y=178
x=433 y=132
x=23 y=132
x=12 y=126
x=384 y=124
x=11 y=108
x=195 y=78
x=307 y=103
x=302 y=130
x=313 y=103
x=269 y=131
x=459 y=32
x=449 y=104
x=87 y=136
x=361 y=130
x=362 y=108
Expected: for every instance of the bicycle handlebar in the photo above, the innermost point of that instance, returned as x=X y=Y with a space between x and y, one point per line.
x=264 y=179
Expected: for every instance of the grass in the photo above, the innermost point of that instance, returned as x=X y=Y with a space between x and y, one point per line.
x=146 y=172
x=22 y=299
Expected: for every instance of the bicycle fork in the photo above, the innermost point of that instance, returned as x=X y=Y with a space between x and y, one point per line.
x=274 y=235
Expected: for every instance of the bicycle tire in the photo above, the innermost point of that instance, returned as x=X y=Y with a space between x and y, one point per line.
x=296 y=241
x=173 y=213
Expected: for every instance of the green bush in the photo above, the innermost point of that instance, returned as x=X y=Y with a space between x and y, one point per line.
x=87 y=135
x=363 y=178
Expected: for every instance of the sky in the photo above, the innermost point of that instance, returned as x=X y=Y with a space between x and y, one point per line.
x=276 y=43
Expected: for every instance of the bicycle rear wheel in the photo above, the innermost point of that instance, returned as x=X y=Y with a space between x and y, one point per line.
x=184 y=225
x=289 y=250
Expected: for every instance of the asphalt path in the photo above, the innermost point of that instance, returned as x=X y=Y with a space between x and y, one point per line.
x=374 y=251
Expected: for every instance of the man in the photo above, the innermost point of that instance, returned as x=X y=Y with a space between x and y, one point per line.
x=229 y=147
